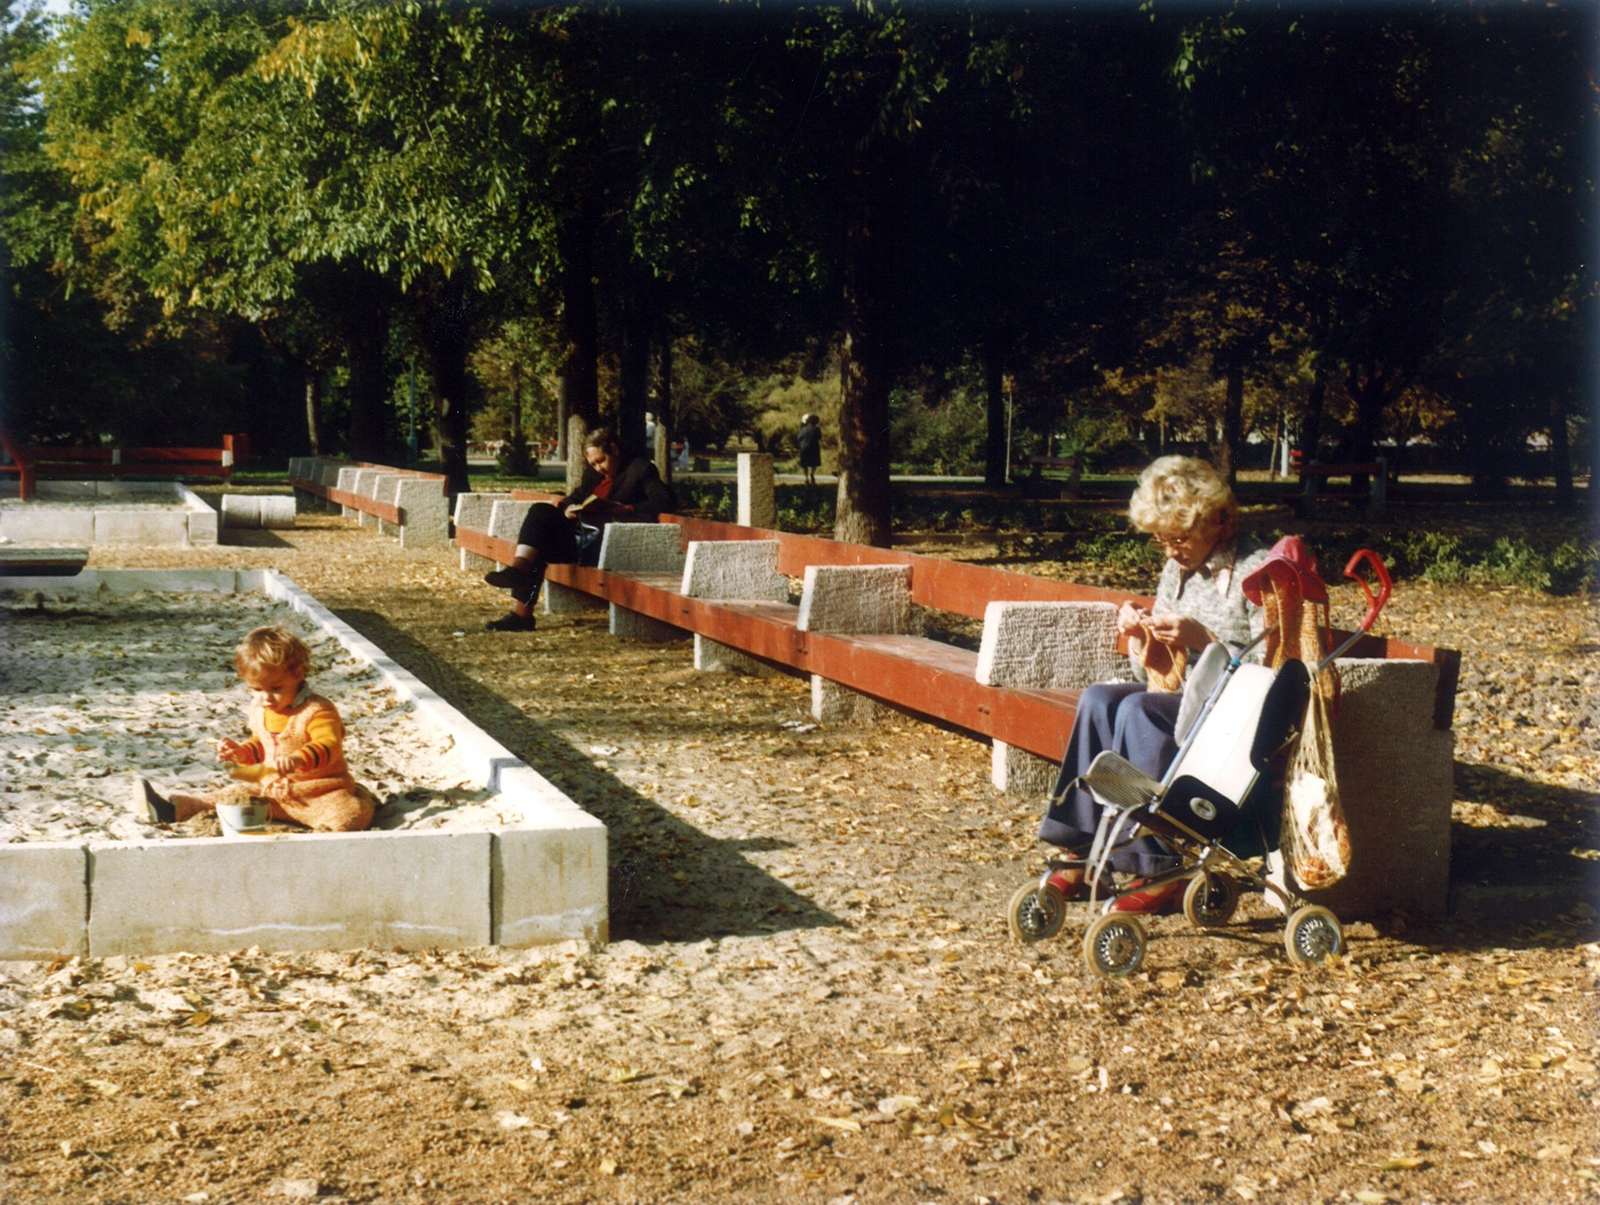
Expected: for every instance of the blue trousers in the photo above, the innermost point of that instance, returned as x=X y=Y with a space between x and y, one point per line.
x=1136 y=723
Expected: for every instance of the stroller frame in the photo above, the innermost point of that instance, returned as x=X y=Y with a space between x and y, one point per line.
x=1133 y=805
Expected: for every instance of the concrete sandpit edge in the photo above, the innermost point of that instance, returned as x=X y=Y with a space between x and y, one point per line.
x=539 y=881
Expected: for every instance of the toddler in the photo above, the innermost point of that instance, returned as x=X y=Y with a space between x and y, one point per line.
x=295 y=755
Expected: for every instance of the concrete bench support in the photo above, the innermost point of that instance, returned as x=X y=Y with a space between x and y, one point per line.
x=1396 y=783
x=757 y=506
x=472 y=514
x=642 y=548
x=855 y=600
x=427 y=512
x=1044 y=646
x=736 y=570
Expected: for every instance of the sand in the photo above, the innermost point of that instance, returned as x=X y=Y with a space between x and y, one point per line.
x=93 y=694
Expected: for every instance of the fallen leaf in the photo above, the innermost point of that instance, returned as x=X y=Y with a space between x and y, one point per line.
x=105 y=1086
x=508 y=1120
x=1403 y=1163
x=898 y=1104
x=521 y=1085
x=625 y=1075
x=608 y=1167
x=1556 y=1150
x=848 y=1124
x=1489 y=1069
x=1368 y=1196
x=195 y=1020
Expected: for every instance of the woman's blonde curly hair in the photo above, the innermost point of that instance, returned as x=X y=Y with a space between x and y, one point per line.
x=1176 y=494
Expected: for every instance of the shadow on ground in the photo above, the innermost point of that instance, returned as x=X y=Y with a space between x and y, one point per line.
x=668 y=879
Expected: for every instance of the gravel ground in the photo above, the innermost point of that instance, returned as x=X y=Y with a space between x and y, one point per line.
x=810 y=992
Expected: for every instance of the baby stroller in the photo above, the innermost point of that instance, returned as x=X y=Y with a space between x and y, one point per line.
x=1215 y=806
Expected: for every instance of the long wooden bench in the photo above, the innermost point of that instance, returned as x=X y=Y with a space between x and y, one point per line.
x=922 y=676
x=1395 y=748
x=1315 y=475
x=28 y=463
x=402 y=502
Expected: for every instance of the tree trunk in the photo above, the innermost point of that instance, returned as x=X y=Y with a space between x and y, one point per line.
x=364 y=347
x=633 y=394
x=447 y=356
x=1228 y=448
x=580 y=326
x=663 y=449
x=1560 y=452
x=863 y=513
x=995 y=468
x=314 y=410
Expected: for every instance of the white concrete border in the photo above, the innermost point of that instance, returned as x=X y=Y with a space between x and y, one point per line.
x=115 y=518
x=540 y=880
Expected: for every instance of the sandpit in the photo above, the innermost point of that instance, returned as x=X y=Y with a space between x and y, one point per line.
x=120 y=670
x=89 y=513
x=94 y=691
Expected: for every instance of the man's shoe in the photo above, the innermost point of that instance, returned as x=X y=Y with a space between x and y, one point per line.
x=150 y=805
x=1152 y=901
x=509 y=578
x=511 y=622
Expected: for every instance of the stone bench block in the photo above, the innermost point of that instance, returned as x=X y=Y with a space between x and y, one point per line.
x=713 y=658
x=305 y=891
x=1044 y=646
x=505 y=519
x=426 y=511
x=364 y=483
x=745 y=570
x=349 y=483
x=860 y=600
x=564 y=600
x=472 y=514
x=1396 y=783
x=44 y=900
x=757 y=506
x=387 y=491
x=642 y=548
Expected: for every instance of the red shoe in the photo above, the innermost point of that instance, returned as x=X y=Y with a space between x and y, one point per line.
x=1152 y=901
x=1070 y=882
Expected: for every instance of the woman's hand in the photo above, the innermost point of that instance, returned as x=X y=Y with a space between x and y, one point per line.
x=1130 y=619
x=1179 y=631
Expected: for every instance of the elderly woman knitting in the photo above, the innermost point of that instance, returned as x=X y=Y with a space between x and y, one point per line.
x=1193 y=515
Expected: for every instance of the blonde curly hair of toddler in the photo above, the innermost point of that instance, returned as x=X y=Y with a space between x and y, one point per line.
x=271 y=648
x=1176 y=494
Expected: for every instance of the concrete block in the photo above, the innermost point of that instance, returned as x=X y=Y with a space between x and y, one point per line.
x=757 y=506
x=835 y=704
x=30 y=525
x=140 y=527
x=734 y=569
x=1396 y=784
x=862 y=599
x=349 y=483
x=365 y=484
x=472 y=510
x=631 y=625
x=711 y=657
x=471 y=562
x=297 y=466
x=1018 y=772
x=302 y=891
x=426 y=510
x=44 y=899
x=1050 y=645
x=549 y=880
x=388 y=492
x=642 y=548
x=564 y=600
x=505 y=519
x=202 y=526
x=241 y=511
x=277 y=512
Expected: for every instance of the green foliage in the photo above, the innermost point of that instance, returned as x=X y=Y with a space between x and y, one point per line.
x=937 y=435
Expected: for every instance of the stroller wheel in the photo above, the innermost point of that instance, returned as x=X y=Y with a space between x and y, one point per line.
x=1036 y=913
x=1114 y=944
x=1210 y=899
x=1312 y=934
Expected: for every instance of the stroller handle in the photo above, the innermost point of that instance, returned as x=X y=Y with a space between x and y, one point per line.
x=1385 y=583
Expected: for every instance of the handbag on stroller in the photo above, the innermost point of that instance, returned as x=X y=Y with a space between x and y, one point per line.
x=1215 y=806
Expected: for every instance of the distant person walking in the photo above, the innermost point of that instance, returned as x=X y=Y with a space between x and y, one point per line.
x=809 y=440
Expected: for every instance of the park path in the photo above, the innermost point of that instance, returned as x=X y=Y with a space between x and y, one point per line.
x=810 y=993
